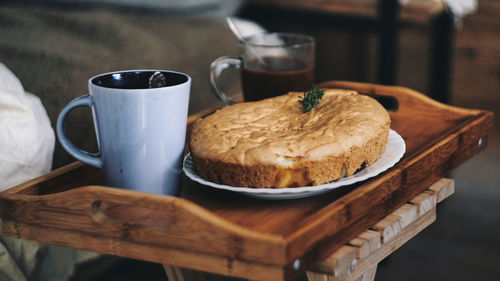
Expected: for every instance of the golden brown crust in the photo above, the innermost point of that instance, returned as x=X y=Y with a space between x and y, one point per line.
x=271 y=143
x=305 y=173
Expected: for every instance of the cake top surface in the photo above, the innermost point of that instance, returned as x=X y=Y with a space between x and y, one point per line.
x=276 y=131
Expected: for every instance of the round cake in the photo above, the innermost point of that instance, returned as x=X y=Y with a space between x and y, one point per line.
x=273 y=144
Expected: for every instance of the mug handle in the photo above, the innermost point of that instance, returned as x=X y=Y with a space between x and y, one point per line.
x=84 y=156
x=216 y=68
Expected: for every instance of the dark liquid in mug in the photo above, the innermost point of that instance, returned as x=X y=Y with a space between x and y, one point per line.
x=281 y=75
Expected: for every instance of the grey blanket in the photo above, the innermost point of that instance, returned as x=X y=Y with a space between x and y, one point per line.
x=55 y=51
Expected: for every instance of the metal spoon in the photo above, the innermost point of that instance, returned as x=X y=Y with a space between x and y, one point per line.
x=243 y=28
x=249 y=29
x=157 y=80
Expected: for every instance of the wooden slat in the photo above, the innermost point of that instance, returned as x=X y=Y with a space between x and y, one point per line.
x=391 y=225
x=407 y=214
x=365 y=243
x=424 y=202
x=372 y=238
x=388 y=227
x=443 y=189
x=361 y=246
x=339 y=261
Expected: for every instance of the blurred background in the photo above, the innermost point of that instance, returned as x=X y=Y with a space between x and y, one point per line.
x=449 y=51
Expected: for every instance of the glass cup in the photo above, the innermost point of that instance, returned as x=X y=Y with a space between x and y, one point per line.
x=270 y=64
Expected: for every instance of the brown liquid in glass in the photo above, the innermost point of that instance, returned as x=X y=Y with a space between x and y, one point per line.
x=281 y=75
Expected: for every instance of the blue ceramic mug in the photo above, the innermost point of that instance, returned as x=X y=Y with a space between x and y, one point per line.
x=140 y=129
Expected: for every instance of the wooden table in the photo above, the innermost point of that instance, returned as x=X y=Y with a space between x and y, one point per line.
x=225 y=233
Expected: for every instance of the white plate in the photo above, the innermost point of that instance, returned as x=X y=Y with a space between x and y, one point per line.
x=391 y=155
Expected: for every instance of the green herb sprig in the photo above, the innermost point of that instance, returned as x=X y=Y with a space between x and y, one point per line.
x=311 y=99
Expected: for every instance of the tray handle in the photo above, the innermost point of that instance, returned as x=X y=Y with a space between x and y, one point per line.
x=408 y=101
x=127 y=216
x=125 y=209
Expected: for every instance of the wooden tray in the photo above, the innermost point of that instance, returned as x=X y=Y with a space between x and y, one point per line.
x=223 y=232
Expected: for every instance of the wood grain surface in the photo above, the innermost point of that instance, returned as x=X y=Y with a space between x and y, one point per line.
x=226 y=233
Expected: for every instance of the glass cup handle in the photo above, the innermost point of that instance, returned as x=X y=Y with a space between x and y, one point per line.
x=84 y=156
x=216 y=68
